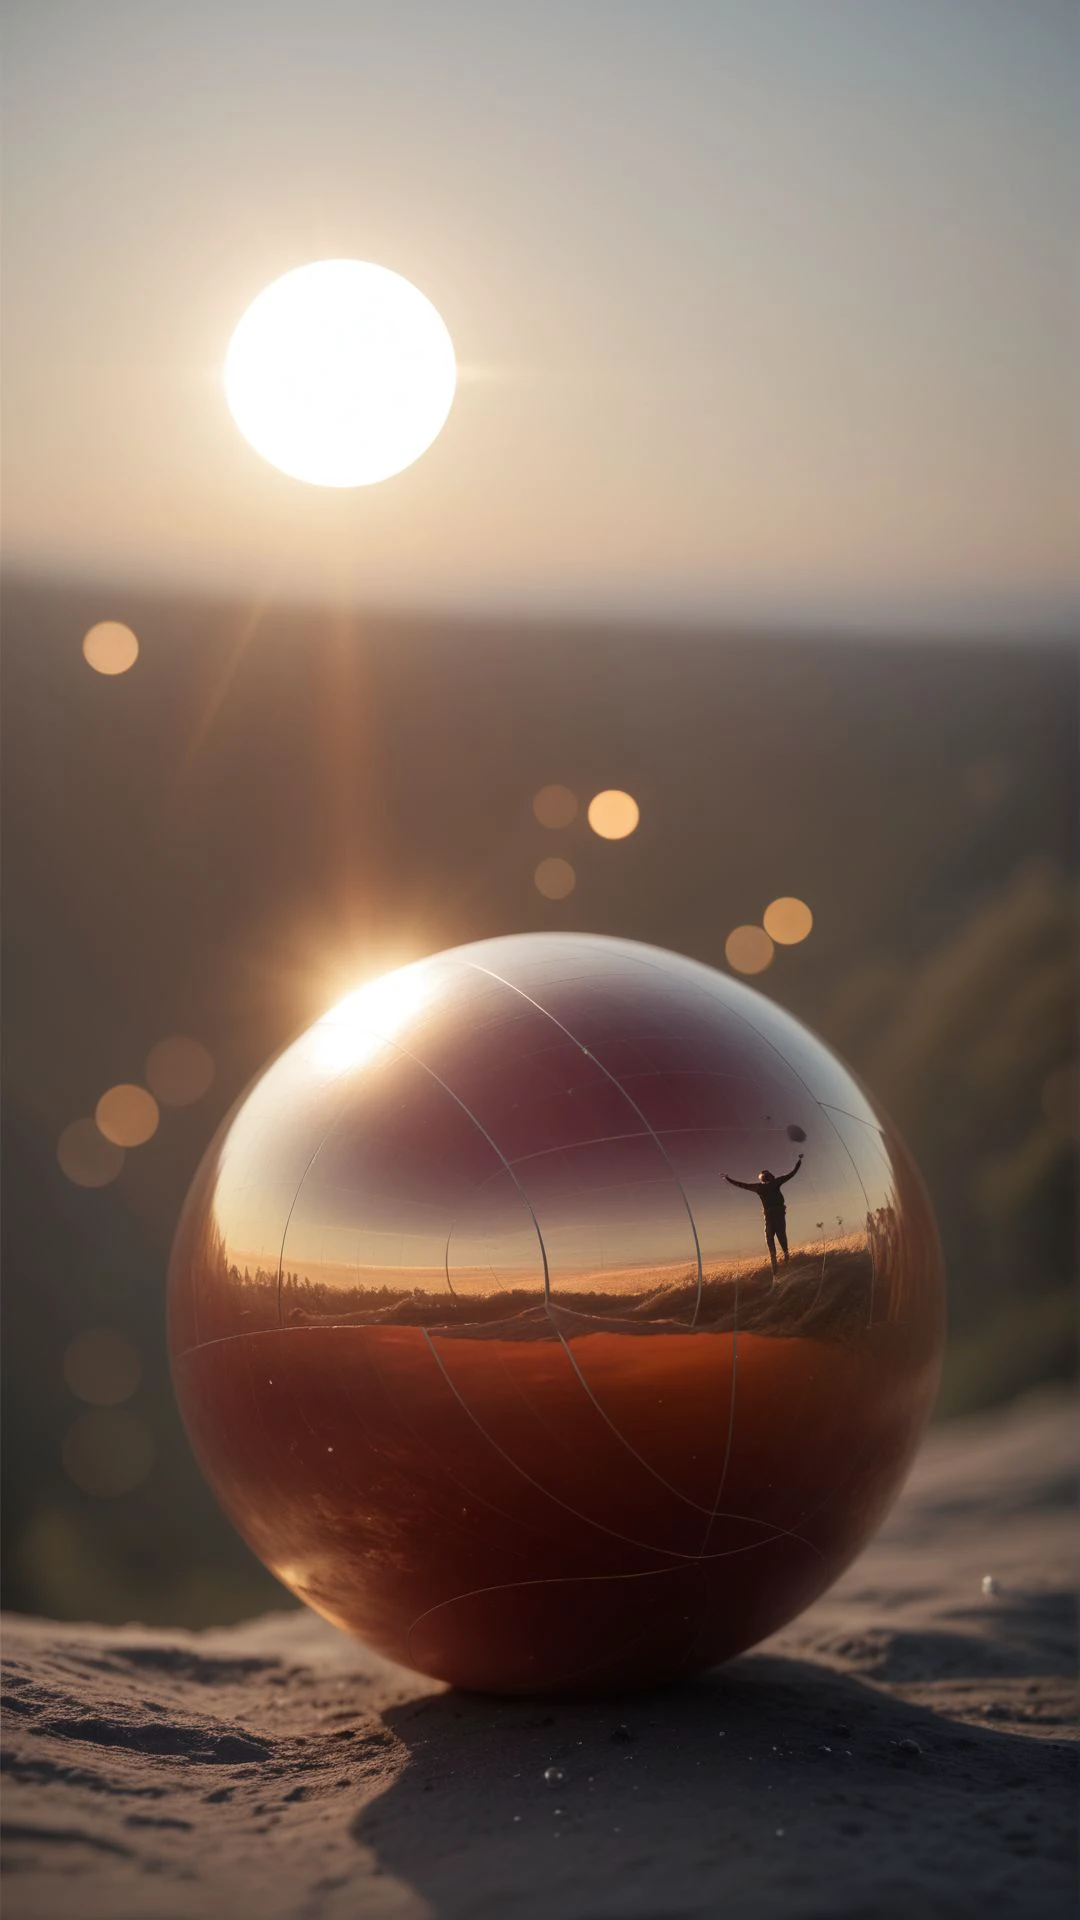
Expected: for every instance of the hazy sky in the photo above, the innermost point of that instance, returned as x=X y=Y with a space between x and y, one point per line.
x=759 y=304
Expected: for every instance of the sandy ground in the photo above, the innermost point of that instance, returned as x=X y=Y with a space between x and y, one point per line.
x=905 y=1747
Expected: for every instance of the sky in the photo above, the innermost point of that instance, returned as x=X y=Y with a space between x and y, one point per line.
x=760 y=308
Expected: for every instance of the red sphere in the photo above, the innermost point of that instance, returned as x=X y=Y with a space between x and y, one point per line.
x=514 y=1342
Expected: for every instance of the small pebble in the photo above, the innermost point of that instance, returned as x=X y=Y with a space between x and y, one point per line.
x=910 y=1747
x=990 y=1585
x=554 y=1776
x=842 y=1730
x=621 y=1733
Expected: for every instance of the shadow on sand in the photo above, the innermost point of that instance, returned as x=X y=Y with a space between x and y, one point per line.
x=771 y=1787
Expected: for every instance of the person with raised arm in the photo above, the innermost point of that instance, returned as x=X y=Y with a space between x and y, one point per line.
x=769 y=1189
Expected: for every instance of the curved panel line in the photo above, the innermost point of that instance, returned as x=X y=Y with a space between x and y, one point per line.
x=689 y=1562
x=323 y=1138
x=630 y=1101
x=675 y=1553
x=495 y=1148
x=586 y=1519
x=823 y=1110
x=632 y=1450
x=575 y=1673
x=470 y=1492
x=396 y=1047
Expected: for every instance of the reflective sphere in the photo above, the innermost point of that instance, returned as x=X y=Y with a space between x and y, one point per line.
x=487 y=1358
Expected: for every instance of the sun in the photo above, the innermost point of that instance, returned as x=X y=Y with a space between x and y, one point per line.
x=341 y=373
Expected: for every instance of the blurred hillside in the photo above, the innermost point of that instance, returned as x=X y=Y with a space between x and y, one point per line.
x=274 y=803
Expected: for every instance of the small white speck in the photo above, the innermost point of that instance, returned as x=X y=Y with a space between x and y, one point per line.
x=779 y=1833
x=517 y=1816
x=990 y=1585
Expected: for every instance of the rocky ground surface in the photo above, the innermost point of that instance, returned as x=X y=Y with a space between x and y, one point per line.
x=906 y=1747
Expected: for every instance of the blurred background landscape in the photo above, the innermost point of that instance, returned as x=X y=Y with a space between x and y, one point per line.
x=756 y=503
x=269 y=806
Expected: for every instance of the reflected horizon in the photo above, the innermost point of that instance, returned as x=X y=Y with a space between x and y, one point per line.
x=452 y=1143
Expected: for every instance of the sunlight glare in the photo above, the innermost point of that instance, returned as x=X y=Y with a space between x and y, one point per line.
x=354 y=1030
x=341 y=373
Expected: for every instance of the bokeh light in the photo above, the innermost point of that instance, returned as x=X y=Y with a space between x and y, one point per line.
x=102 y=1367
x=127 y=1115
x=748 y=949
x=108 y=1451
x=88 y=1159
x=613 y=814
x=787 y=920
x=555 y=879
x=179 y=1071
x=110 y=647
x=555 y=806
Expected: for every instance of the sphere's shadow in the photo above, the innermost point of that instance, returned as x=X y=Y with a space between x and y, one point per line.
x=768 y=1786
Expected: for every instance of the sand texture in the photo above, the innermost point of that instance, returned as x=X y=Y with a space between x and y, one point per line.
x=905 y=1748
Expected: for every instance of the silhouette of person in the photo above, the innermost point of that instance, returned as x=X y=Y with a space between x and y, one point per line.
x=768 y=1187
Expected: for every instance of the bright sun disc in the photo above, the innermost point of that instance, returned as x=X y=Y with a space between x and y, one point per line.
x=340 y=373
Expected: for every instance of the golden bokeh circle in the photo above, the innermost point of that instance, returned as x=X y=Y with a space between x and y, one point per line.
x=555 y=879
x=87 y=1158
x=108 y=1451
x=110 y=647
x=102 y=1367
x=748 y=949
x=613 y=814
x=179 y=1071
x=555 y=806
x=127 y=1115
x=787 y=920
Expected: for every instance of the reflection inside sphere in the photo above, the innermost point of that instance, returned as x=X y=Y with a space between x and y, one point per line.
x=499 y=1352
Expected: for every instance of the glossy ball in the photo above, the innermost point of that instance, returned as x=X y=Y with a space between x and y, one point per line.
x=486 y=1358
